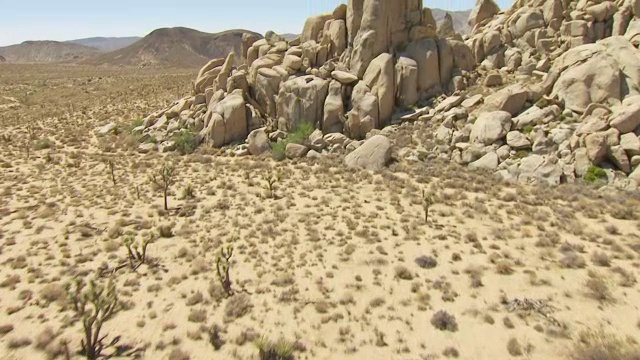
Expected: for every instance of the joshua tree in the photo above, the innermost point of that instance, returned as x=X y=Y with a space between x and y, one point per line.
x=427 y=201
x=112 y=170
x=271 y=179
x=163 y=179
x=137 y=251
x=222 y=266
x=94 y=304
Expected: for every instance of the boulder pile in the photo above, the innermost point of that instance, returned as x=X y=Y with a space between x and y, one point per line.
x=541 y=92
x=349 y=72
x=570 y=99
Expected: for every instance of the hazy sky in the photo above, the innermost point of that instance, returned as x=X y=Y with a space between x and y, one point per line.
x=71 y=19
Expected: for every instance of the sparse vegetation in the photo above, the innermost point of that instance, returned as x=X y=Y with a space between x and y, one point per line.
x=93 y=304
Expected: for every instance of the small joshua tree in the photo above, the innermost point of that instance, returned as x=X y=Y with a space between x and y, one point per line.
x=94 y=304
x=112 y=170
x=271 y=179
x=137 y=251
x=427 y=202
x=163 y=179
x=223 y=266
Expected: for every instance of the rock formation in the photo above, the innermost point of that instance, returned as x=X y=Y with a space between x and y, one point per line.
x=556 y=84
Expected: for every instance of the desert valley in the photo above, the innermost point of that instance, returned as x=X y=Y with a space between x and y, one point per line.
x=391 y=183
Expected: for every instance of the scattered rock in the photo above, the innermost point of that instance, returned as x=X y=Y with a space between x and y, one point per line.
x=373 y=154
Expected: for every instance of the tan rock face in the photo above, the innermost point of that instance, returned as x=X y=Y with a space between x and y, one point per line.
x=379 y=77
x=301 y=99
x=333 y=118
x=313 y=26
x=406 y=82
x=384 y=25
x=373 y=155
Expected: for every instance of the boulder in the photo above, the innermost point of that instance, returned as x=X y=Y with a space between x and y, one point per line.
x=627 y=119
x=406 y=82
x=630 y=143
x=510 y=99
x=383 y=25
x=228 y=121
x=518 y=141
x=107 y=129
x=333 y=117
x=344 y=77
x=488 y=162
x=635 y=175
x=597 y=147
x=373 y=155
x=425 y=53
x=484 y=9
x=258 y=142
x=295 y=151
x=379 y=77
x=463 y=58
x=301 y=99
x=530 y=20
x=491 y=127
x=619 y=157
x=266 y=88
x=337 y=38
x=313 y=26
x=541 y=170
x=364 y=115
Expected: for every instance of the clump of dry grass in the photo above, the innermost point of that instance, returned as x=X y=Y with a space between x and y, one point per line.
x=237 y=306
x=597 y=288
x=598 y=344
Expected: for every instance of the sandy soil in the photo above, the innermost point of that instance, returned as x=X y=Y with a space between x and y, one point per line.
x=338 y=264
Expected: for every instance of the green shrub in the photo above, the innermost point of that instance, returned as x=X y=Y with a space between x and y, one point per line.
x=299 y=136
x=186 y=142
x=527 y=129
x=521 y=154
x=278 y=150
x=595 y=174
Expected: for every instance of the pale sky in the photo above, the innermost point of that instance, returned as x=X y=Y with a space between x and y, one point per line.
x=72 y=19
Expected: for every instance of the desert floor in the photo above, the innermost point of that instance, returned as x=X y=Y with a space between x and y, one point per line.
x=336 y=263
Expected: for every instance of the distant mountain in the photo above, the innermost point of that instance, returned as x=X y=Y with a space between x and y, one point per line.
x=46 y=51
x=106 y=44
x=175 y=47
x=460 y=19
x=290 y=37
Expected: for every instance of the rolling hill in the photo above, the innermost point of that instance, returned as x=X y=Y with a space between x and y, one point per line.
x=106 y=44
x=46 y=51
x=175 y=47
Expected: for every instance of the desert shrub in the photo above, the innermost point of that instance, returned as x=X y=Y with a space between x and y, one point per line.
x=599 y=345
x=598 y=288
x=514 y=348
x=280 y=350
x=444 y=321
x=426 y=262
x=403 y=273
x=42 y=144
x=186 y=142
x=601 y=259
x=527 y=129
x=572 y=261
x=451 y=352
x=237 y=306
x=594 y=174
